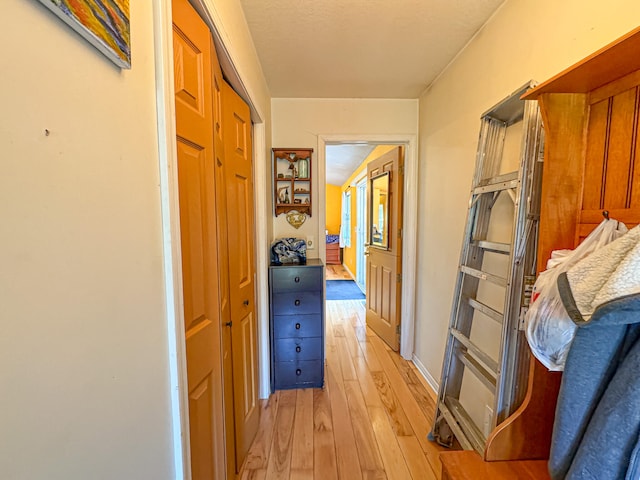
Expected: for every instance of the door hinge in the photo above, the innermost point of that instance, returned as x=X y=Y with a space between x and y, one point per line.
x=399 y=233
x=398 y=329
x=399 y=277
x=401 y=169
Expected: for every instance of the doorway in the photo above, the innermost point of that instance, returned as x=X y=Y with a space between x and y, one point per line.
x=385 y=296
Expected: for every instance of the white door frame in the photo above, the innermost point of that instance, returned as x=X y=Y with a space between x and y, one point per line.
x=361 y=228
x=409 y=227
x=167 y=153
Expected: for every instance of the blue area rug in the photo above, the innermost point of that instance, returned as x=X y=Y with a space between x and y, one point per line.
x=343 y=290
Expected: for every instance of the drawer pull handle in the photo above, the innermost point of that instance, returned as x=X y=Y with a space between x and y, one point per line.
x=297 y=279
x=298 y=349
x=297 y=303
x=297 y=326
x=298 y=372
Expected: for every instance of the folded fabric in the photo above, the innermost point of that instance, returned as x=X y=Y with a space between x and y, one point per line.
x=611 y=272
x=597 y=352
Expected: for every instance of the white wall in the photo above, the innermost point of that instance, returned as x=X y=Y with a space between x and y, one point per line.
x=524 y=40
x=83 y=347
x=298 y=123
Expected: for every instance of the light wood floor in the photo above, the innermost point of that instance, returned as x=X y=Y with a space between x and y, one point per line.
x=337 y=272
x=369 y=422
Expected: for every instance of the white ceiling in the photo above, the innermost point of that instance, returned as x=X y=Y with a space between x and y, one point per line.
x=360 y=48
x=342 y=161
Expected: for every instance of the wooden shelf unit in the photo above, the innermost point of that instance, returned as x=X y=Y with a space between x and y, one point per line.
x=591 y=114
x=292 y=180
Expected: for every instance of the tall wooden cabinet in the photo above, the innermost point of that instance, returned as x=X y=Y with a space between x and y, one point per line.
x=591 y=114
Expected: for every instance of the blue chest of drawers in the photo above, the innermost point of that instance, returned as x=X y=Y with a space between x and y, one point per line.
x=296 y=297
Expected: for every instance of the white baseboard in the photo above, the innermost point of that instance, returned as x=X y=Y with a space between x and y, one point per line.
x=427 y=376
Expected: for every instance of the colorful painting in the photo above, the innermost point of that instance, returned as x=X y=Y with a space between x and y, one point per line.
x=104 y=23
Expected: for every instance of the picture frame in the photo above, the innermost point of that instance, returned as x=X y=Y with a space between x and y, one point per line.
x=103 y=23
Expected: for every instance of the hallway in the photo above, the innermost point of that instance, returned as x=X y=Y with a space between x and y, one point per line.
x=369 y=422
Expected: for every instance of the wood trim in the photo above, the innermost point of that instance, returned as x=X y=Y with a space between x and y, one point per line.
x=614 y=61
x=618 y=86
x=526 y=435
x=629 y=216
x=564 y=117
x=467 y=465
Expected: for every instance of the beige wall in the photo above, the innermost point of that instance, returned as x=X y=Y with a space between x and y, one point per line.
x=300 y=122
x=83 y=350
x=523 y=41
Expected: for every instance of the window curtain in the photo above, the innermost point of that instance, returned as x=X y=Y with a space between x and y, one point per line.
x=345 y=223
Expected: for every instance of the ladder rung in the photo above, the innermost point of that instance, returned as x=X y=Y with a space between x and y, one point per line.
x=490 y=363
x=484 y=275
x=473 y=435
x=478 y=369
x=494 y=246
x=498 y=183
x=485 y=309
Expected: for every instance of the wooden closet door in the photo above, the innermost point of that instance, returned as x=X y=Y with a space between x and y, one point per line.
x=195 y=148
x=241 y=254
x=223 y=267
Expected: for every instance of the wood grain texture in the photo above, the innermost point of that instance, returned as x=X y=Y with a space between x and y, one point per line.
x=527 y=433
x=467 y=465
x=337 y=272
x=302 y=454
x=258 y=456
x=346 y=450
x=564 y=117
x=365 y=440
x=324 y=451
x=399 y=421
x=279 y=466
x=394 y=462
x=356 y=427
x=418 y=465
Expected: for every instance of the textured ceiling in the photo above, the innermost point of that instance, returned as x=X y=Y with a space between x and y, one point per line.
x=342 y=161
x=360 y=48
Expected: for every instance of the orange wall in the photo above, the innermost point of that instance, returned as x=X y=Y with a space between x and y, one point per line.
x=333 y=195
x=349 y=253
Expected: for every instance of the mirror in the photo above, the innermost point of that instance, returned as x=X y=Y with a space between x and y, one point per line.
x=379 y=211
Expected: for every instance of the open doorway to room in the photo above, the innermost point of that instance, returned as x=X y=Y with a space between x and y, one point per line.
x=364 y=272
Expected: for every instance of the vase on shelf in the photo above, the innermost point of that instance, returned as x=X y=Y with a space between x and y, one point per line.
x=303 y=168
